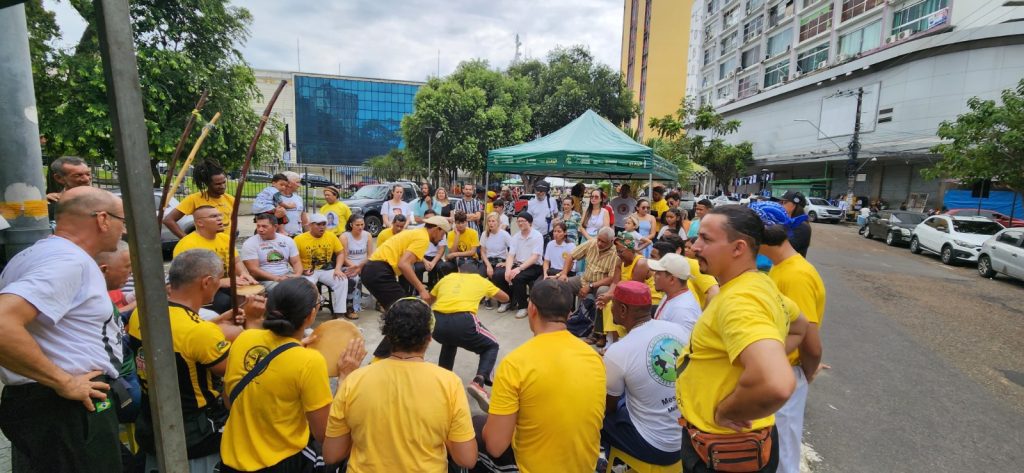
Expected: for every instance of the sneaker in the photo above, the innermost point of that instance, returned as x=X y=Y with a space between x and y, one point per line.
x=487 y=304
x=521 y=314
x=503 y=308
x=478 y=392
x=352 y=315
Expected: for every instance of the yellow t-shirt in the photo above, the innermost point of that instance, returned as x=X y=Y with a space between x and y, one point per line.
x=748 y=309
x=337 y=216
x=658 y=209
x=468 y=240
x=219 y=245
x=700 y=282
x=224 y=203
x=268 y=419
x=488 y=208
x=384 y=235
x=560 y=406
x=198 y=344
x=400 y=414
x=318 y=253
x=798 y=280
x=461 y=292
x=416 y=240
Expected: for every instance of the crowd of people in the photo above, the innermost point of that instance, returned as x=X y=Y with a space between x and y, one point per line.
x=659 y=338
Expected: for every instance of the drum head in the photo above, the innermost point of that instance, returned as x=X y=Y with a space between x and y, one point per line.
x=333 y=337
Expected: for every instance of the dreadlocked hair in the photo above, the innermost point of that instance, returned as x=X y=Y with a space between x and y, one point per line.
x=203 y=172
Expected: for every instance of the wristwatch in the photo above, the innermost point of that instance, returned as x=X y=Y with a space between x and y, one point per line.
x=590 y=286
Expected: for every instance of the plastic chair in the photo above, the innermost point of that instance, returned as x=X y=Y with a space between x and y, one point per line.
x=639 y=466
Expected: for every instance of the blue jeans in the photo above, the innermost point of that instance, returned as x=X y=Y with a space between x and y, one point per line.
x=619 y=432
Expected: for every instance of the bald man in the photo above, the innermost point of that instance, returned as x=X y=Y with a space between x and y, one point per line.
x=60 y=341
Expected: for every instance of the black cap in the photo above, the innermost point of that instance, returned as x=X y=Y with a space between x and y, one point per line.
x=794 y=197
x=526 y=215
x=542 y=186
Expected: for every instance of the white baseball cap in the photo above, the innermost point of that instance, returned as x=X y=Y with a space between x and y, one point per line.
x=317 y=218
x=673 y=264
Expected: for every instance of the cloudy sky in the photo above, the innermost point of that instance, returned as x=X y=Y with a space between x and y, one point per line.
x=400 y=39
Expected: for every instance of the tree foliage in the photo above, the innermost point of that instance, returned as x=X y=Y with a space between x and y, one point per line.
x=394 y=166
x=475 y=109
x=985 y=143
x=183 y=47
x=706 y=146
x=570 y=83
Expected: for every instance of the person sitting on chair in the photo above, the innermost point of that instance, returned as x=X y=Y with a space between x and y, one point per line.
x=323 y=258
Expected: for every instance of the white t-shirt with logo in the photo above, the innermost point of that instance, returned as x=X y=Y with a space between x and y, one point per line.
x=683 y=309
x=642 y=366
x=272 y=255
x=402 y=208
x=555 y=253
x=622 y=207
x=294 y=225
x=355 y=250
x=77 y=327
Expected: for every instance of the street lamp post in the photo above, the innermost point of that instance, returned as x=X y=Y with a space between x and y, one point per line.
x=430 y=142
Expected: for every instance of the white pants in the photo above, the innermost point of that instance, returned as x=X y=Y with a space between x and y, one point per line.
x=790 y=422
x=338 y=285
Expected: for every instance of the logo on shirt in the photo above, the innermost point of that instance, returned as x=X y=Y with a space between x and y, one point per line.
x=661 y=355
x=274 y=256
x=222 y=345
x=253 y=357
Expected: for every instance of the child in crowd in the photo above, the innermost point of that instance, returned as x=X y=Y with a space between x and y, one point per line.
x=270 y=199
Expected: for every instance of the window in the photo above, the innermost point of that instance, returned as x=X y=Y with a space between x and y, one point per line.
x=864 y=39
x=776 y=73
x=809 y=60
x=731 y=17
x=724 y=92
x=920 y=16
x=752 y=4
x=727 y=67
x=1011 y=238
x=712 y=6
x=779 y=43
x=753 y=28
x=751 y=57
x=705 y=80
x=816 y=22
x=705 y=99
x=709 y=55
x=854 y=8
x=748 y=86
x=729 y=42
x=778 y=13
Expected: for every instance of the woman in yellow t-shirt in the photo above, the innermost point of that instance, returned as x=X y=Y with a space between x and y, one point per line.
x=400 y=413
x=336 y=211
x=272 y=418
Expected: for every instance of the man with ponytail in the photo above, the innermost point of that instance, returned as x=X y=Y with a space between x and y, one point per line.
x=212 y=183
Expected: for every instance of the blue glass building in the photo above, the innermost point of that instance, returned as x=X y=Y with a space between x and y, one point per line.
x=348 y=121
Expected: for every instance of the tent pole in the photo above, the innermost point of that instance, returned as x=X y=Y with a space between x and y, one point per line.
x=650 y=185
x=486 y=184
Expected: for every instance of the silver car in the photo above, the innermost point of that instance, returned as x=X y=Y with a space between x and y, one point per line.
x=1003 y=254
x=819 y=210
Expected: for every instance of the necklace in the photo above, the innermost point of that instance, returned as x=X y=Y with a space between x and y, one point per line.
x=411 y=357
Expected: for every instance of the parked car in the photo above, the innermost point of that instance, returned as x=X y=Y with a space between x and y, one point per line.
x=952 y=238
x=687 y=201
x=522 y=202
x=167 y=239
x=725 y=200
x=1003 y=253
x=253 y=175
x=819 y=210
x=1003 y=220
x=368 y=199
x=895 y=226
x=315 y=180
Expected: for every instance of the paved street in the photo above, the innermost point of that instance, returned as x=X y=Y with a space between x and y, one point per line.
x=927 y=362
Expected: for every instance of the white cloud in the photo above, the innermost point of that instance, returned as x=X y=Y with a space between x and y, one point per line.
x=400 y=39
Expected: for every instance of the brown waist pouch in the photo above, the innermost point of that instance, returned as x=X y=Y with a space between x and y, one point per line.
x=735 y=453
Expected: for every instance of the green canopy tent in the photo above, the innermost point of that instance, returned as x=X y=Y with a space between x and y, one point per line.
x=589 y=147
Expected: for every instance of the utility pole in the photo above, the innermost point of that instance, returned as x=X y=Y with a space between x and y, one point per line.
x=24 y=201
x=854 y=148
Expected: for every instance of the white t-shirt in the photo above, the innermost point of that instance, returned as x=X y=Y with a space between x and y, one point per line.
x=432 y=249
x=77 y=327
x=642 y=366
x=403 y=208
x=524 y=247
x=273 y=255
x=294 y=225
x=496 y=244
x=541 y=210
x=355 y=250
x=556 y=253
x=683 y=310
x=623 y=207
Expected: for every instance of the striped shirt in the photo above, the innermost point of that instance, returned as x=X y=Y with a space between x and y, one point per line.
x=600 y=264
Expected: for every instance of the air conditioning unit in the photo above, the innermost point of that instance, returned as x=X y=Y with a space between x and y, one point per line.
x=890 y=39
x=843 y=58
x=904 y=35
x=822 y=65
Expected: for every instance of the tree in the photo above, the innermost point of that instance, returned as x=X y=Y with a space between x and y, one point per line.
x=570 y=83
x=707 y=145
x=183 y=47
x=475 y=108
x=985 y=143
x=394 y=166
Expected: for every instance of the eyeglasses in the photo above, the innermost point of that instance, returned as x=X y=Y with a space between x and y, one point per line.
x=97 y=212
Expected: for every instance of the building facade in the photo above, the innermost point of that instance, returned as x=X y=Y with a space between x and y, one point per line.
x=655 y=35
x=339 y=120
x=795 y=73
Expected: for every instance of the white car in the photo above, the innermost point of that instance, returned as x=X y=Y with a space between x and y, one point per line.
x=1003 y=253
x=819 y=210
x=952 y=238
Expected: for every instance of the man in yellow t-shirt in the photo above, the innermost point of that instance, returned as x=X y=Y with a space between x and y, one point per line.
x=456 y=326
x=337 y=212
x=209 y=236
x=201 y=351
x=397 y=225
x=734 y=374
x=394 y=259
x=463 y=242
x=658 y=204
x=323 y=259
x=797 y=279
x=549 y=394
x=212 y=183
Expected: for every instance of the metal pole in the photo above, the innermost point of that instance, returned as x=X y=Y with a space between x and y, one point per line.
x=131 y=147
x=430 y=142
x=23 y=200
x=854 y=147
